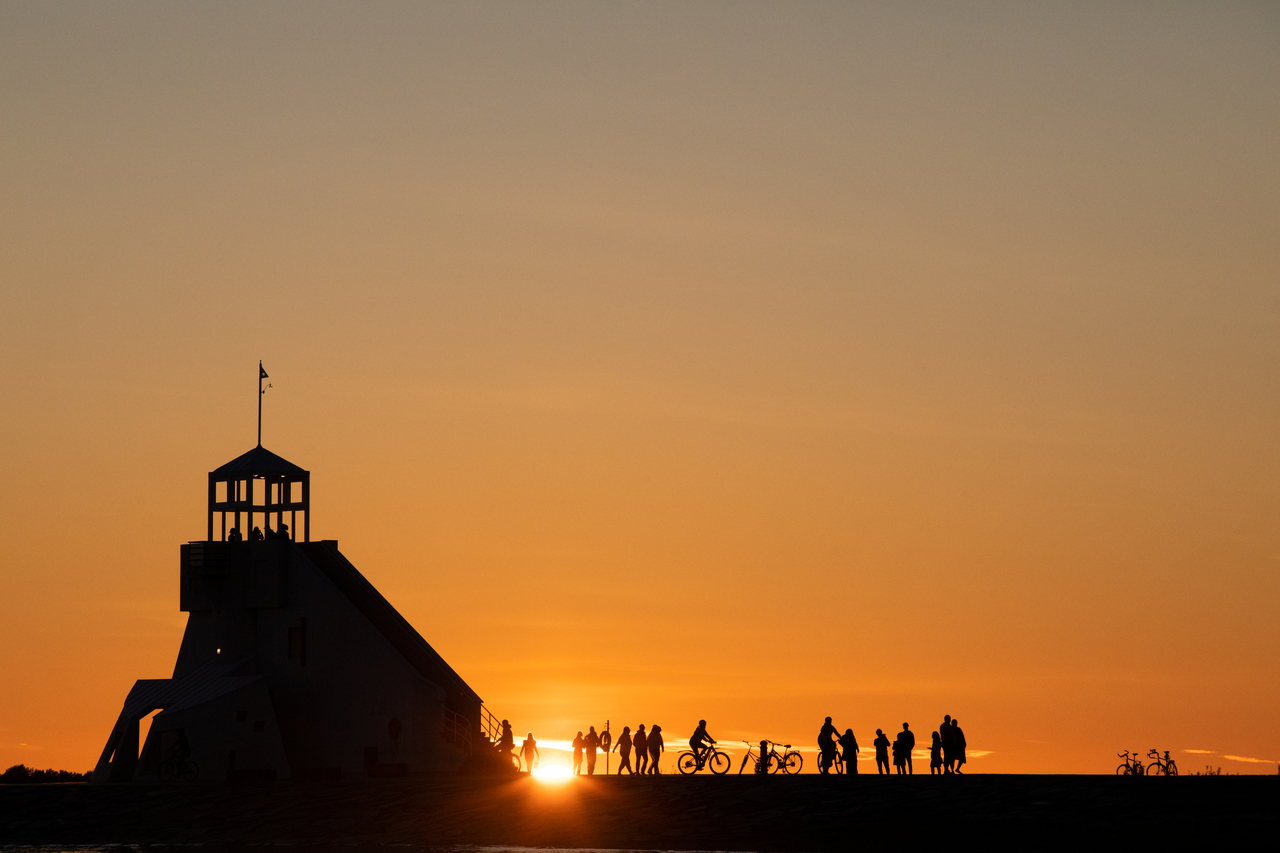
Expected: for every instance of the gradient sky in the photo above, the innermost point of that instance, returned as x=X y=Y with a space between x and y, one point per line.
x=747 y=361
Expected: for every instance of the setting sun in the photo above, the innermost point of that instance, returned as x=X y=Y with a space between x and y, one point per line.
x=553 y=773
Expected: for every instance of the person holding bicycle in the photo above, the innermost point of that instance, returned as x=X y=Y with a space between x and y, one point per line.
x=827 y=738
x=701 y=742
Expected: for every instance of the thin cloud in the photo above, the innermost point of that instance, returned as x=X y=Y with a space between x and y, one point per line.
x=1201 y=751
x=1249 y=760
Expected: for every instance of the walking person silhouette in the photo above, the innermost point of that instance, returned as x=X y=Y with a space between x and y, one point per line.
x=849 y=752
x=641 y=745
x=578 y=744
x=935 y=756
x=958 y=744
x=881 y=743
x=591 y=743
x=948 y=750
x=656 y=748
x=529 y=750
x=623 y=748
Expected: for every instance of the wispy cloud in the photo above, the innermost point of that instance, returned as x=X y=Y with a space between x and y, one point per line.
x=1201 y=751
x=1249 y=760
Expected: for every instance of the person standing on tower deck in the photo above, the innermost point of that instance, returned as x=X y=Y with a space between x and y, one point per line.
x=958 y=744
x=948 y=756
x=935 y=756
x=578 y=743
x=641 y=744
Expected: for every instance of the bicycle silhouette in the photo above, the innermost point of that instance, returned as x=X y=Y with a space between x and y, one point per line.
x=789 y=761
x=1167 y=767
x=690 y=763
x=1132 y=764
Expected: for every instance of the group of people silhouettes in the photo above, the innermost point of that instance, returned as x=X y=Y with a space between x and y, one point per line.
x=257 y=535
x=946 y=753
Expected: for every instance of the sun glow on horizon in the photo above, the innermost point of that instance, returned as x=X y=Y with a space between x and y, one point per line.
x=553 y=773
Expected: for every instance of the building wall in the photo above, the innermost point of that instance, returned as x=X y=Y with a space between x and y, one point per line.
x=351 y=694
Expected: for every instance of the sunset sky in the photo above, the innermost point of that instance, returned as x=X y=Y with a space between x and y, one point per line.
x=749 y=361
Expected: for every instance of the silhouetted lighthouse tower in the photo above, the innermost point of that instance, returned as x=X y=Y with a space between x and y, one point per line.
x=292 y=663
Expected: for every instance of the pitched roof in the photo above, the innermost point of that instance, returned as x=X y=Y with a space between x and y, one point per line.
x=387 y=619
x=260 y=461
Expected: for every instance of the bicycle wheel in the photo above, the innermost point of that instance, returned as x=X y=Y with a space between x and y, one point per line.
x=1154 y=769
x=775 y=763
x=794 y=761
x=719 y=763
x=1122 y=770
x=688 y=763
x=515 y=761
x=190 y=771
x=1171 y=769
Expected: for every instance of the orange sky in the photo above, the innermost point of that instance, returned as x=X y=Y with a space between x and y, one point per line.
x=754 y=362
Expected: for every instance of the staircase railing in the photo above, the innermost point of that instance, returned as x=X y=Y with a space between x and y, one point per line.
x=457 y=729
x=490 y=725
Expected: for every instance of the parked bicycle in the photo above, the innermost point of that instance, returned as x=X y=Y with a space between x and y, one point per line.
x=720 y=762
x=177 y=767
x=788 y=760
x=1167 y=767
x=1132 y=764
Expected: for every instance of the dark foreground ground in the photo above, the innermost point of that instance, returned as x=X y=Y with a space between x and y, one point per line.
x=670 y=812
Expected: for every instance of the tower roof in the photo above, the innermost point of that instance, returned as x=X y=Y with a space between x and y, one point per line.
x=260 y=461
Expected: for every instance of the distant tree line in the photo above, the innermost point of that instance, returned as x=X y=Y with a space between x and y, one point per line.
x=20 y=774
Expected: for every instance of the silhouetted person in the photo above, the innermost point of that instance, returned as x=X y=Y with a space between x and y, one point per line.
x=849 y=752
x=592 y=743
x=958 y=744
x=234 y=535
x=935 y=756
x=623 y=748
x=641 y=744
x=948 y=756
x=908 y=744
x=899 y=754
x=283 y=532
x=507 y=740
x=701 y=742
x=827 y=746
x=529 y=749
x=268 y=533
x=578 y=744
x=656 y=748
x=256 y=535
x=881 y=743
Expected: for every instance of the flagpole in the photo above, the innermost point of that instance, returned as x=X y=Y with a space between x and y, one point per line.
x=259 y=403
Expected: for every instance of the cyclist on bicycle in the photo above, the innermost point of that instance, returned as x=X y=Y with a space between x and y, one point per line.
x=701 y=742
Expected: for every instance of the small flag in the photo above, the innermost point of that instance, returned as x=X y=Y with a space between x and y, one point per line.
x=262 y=374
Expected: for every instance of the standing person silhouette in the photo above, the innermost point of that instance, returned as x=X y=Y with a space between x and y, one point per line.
x=849 y=752
x=958 y=744
x=234 y=535
x=256 y=535
x=827 y=746
x=591 y=742
x=578 y=744
x=899 y=762
x=529 y=749
x=701 y=742
x=948 y=751
x=656 y=748
x=623 y=748
x=641 y=745
x=881 y=743
x=935 y=756
x=908 y=744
